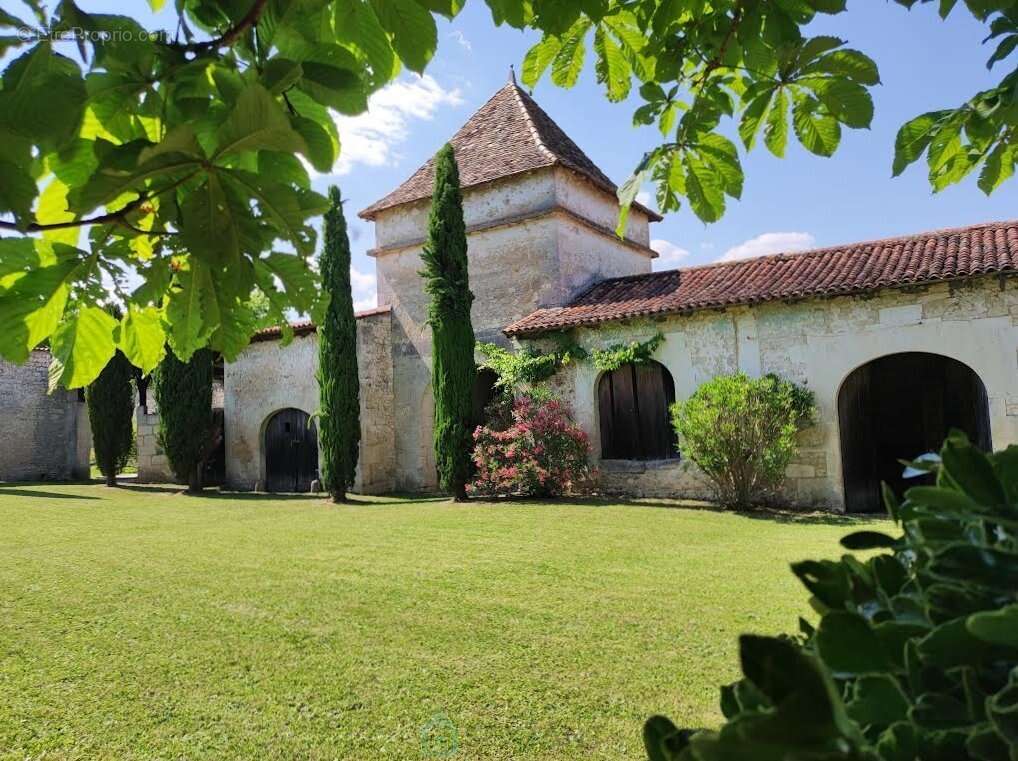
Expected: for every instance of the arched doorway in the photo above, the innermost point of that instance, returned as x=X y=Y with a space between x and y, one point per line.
x=633 y=404
x=484 y=392
x=898 y=407
x=291 y=451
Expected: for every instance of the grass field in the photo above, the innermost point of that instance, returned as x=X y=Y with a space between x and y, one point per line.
x=139 y=623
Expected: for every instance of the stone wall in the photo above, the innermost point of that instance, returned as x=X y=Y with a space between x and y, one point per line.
x=816 y=343
x=268 y=377
x=153 y=467
x=47 y=435
x=534 y=240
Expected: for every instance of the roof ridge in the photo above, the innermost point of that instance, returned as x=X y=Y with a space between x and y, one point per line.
x=528 y=117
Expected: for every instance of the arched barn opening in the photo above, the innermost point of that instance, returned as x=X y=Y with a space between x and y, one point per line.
x=899 y=407
x=291 y=451
x=633 y=406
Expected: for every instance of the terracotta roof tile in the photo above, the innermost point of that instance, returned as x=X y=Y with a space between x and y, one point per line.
x=507 y=135
x=305 y=327
x=855 y=268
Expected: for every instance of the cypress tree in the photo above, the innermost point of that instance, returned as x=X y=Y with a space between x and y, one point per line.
x=110 y=402
x=452 y=345
x=339 y=389
x=184 y=397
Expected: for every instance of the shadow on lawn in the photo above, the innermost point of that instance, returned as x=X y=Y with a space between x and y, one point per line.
x=7 y=490
x=758 y=514
x=217 y=493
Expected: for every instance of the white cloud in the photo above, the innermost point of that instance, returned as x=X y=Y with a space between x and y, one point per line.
x=643 y=198
x=371 y=138
x=769 y=243
x=457 y=35
x=364 y=286
x=669 y=255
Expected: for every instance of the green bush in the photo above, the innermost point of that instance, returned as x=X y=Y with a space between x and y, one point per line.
x=916 y=652
x=110 y=402
x=184 y=396
x=740 y=431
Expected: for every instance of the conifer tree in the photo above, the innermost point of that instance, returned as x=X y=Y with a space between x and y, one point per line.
x=339 y=388
x=452 y=345
x=110 y=402
x=184 y=396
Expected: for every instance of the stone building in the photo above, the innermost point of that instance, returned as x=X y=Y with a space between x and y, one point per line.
x=46 y=436
x=899 y=339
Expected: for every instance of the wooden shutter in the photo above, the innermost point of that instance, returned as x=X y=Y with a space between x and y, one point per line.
x=655 y=392
x=633 y=406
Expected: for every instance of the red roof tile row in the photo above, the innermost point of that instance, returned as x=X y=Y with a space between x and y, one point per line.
x=855 y=268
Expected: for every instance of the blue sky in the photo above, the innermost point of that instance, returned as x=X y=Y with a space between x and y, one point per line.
x=799 y=201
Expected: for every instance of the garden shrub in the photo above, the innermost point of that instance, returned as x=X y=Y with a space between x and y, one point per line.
x=541 y=452
x=110 y=402
x=916 y=652
x=183 y=393
x=741 y=432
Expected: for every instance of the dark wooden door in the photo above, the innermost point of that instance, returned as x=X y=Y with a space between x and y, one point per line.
x=291 y=452
x=897 y=408
x=633 y=406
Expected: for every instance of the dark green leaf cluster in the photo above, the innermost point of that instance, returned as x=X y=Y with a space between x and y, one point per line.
x=183 y=393
x=447 y=283
x=183 y=156
x=110 y=402
x=632 y=353
x=916 y=652
x=741 y=432
x=339 y=433
x=697 y=63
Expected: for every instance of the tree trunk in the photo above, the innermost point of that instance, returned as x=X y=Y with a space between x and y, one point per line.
x=339 y=497
x=194 y=486
x=111 y=479
x=459 y=493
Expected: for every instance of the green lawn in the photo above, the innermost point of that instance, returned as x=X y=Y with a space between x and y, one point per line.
x=141 y=623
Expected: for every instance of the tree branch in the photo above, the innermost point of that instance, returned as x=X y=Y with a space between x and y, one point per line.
x=228 y=37
x=715 y=62
x=118 y=217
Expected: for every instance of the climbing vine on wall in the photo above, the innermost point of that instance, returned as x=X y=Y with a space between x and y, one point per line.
x=530 y=367
x=632 y=353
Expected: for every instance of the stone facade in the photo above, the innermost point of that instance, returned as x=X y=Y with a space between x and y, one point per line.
x=47 y=437
x=268 y=377
x=153 y=467
x=816 y=343
x=534 y=240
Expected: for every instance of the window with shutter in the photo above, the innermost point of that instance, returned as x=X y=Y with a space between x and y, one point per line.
x=633 y=404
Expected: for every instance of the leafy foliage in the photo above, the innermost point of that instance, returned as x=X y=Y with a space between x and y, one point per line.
x=183 y=392
x=182 y=156
x=541 y=452
x=632 y=353
x=740 y=431
x=338 y=384
x=110 y=402
x=525 y=371
x=452 y=334
x=698 y=63
x=916 y=653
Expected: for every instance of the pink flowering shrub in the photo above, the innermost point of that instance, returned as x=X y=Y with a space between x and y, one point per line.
x=539 y=452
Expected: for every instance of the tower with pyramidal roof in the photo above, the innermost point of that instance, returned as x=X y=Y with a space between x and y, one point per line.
x=540 y=219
